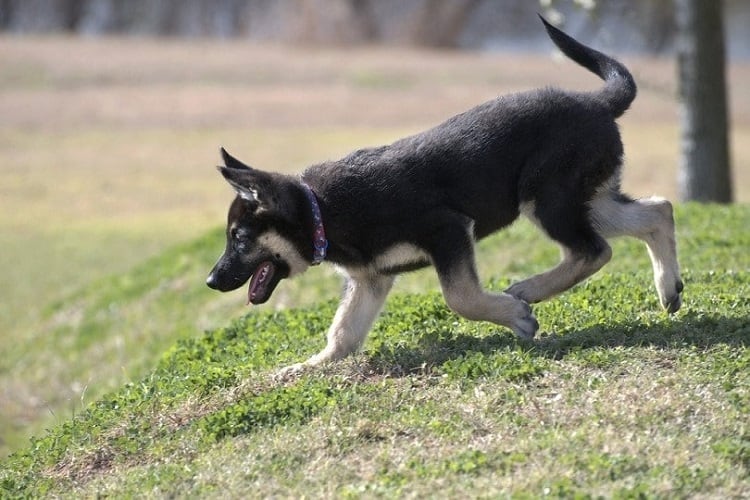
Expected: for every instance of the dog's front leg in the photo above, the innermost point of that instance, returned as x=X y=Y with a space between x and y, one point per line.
x=363 y=298
x=463 y=293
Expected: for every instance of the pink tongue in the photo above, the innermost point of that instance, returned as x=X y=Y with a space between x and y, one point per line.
x=259 y=282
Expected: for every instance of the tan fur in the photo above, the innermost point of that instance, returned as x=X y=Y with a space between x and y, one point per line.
x=465 y=296
x=572 y=269
x=363 y=299
x=650 y=220
x=277 y=244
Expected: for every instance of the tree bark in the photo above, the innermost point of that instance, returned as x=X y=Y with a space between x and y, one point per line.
x=705 y=173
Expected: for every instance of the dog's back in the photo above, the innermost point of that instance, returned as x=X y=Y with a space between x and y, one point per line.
x=488 y=161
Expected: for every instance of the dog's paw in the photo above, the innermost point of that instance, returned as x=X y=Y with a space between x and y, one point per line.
x=525 y=325
x=290 y=373
x=518 y=291
x=673 y=302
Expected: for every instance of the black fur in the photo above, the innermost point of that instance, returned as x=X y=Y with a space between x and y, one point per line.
x=549 y=146
x=425 y=199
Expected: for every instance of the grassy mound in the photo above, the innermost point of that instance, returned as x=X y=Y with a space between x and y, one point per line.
x=615 y=398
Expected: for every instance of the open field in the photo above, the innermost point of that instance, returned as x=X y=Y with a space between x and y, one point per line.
x=107 y=148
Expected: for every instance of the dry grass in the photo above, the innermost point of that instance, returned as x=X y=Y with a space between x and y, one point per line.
x=125 y=130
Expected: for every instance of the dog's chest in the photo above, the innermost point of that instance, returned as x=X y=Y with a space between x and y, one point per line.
x=399 y=258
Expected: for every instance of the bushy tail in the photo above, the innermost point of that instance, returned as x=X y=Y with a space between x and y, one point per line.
x=619 y=89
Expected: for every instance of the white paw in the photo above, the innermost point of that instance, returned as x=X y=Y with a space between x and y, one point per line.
x=672 y=300
x=291 y=372
x=525 y=325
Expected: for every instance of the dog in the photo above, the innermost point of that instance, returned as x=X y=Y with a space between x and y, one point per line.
x=551 y=155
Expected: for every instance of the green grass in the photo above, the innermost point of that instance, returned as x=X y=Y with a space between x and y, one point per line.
x=614 y=399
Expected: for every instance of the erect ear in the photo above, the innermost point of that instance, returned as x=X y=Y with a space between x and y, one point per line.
x=242 y=181
x=251 y=184
x=232 y=162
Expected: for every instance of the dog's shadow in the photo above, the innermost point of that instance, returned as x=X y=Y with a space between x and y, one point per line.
x=437 y=348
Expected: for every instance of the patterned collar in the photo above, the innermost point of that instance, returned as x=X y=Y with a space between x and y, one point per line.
x=320 y=243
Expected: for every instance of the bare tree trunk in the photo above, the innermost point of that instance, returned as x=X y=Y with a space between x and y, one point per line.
x=704 y=168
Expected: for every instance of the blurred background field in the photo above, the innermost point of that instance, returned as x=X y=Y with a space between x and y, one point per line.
x=107 y=145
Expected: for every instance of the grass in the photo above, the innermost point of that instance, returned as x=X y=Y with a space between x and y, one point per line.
x=107 y=180
x=614 y=399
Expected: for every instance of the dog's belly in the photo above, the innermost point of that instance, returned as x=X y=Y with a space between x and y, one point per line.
x=400 y=258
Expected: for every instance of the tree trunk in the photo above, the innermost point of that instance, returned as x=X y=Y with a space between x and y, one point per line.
x=704 y=168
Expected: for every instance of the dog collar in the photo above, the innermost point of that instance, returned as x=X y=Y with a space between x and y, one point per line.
x=320 y=243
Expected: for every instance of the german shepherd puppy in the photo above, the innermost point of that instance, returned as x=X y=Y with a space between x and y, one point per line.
x=552 y=155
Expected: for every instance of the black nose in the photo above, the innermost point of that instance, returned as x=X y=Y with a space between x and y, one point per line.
x=211 y=281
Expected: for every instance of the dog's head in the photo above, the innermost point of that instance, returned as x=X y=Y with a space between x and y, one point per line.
x=263 y=235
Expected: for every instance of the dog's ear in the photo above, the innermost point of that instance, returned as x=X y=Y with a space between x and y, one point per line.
x=251 y=184
x=244 y=182
x=232 y=162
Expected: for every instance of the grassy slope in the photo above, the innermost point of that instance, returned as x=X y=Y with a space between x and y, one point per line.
x=614 y=397
x=91 y=187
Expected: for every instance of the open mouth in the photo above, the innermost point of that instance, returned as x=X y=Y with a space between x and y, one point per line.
x=262 y=283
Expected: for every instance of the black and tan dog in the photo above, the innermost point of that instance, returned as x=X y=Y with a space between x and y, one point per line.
x=551 y=155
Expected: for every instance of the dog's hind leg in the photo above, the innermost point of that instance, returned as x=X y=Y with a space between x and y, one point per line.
x=362 y=301
x=463 y=293
x=584 y=251
x=650 y=220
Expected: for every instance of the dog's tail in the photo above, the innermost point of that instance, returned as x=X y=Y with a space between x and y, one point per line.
x=619 y=89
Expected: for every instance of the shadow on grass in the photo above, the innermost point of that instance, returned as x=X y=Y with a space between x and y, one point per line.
x=300 y=401
x=697 y=331
x=689 y=331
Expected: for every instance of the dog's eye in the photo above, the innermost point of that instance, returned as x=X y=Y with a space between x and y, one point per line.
x=237 y=235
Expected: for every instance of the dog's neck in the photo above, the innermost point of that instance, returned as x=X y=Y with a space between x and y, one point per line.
x=320 y=243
